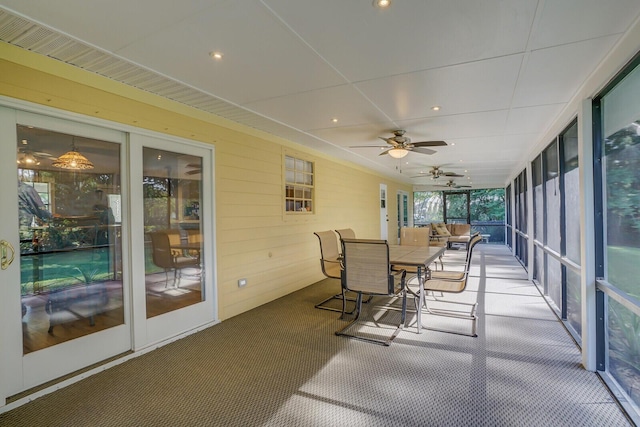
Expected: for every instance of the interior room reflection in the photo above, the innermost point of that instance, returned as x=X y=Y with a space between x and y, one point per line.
x=70 y=236
x=174 y=259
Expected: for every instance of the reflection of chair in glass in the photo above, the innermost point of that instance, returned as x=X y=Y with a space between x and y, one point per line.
x=346 y=233
x=367 y=271
x=448 y=282
x=168 y=258
x=330 y=262
x=194 y=240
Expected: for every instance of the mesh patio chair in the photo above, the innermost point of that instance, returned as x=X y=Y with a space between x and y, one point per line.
x=410 y=236
x=331 y=264
x=346 y=233
x=367 y=271
x=448 y=282
x=452 y=274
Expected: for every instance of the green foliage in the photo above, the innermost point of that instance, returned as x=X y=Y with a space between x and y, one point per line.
x=485 y=205
x=622 y=160
x=427 y=207
x=623 y=268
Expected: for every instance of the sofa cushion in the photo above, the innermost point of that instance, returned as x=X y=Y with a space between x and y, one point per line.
x=461 y=229
x=441 y=229
x=459 y=239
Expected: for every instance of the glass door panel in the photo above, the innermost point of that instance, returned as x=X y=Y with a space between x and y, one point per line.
x=65 y=301
x=174 y=252
x=70 y=239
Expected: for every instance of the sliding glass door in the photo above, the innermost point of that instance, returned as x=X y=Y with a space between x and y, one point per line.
x=63 y=292
x=106 y=245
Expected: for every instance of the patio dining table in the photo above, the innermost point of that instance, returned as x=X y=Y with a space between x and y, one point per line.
x=420 y=257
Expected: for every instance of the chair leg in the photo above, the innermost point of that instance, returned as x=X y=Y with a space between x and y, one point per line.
x=342 y=297
x=166 y=277
x=456 y=315
x=386 y=342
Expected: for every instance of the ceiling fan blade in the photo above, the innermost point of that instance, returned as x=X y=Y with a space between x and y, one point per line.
x=389 y=141
x=422 y=150
x=367 y=146
x=451 y=174
x=429 y=144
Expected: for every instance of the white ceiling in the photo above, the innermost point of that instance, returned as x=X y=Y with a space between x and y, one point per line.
x=501 y=71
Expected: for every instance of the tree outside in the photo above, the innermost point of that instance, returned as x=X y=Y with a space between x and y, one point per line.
x=486 y=207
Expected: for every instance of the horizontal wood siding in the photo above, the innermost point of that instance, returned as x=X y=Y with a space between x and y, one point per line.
x=276 y=252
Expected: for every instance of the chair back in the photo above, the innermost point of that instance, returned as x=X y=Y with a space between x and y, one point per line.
x=194 y=237
x=346 y=233
x=410 y=236
x=366 y=266
x=329 y=255
x=161 y=249
x=472 y=243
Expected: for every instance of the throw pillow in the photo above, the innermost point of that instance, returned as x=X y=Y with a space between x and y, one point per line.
x=441 y=230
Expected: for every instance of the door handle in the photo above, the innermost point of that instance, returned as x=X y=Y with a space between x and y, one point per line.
x=6 y=261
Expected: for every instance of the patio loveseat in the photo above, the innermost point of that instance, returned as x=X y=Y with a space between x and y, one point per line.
x=451 y=233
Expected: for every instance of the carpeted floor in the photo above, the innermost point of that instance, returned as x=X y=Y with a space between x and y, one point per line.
x=282 y=365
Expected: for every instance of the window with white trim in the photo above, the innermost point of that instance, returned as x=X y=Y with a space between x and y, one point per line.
x=298 y=185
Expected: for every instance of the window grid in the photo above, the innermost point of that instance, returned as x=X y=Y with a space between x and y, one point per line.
x=299 y=185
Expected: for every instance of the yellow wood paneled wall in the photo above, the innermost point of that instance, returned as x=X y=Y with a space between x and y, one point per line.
x=275 y=252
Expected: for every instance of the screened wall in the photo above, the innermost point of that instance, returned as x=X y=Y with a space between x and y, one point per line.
x=617 y=205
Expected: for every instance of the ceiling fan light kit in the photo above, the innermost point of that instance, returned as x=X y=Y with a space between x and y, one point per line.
x=397 y=153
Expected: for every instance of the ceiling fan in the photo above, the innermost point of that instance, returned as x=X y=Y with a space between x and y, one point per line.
x=28 y=158
x=436 y=173
x=194 y=169
x=452 y=184
x=400 y=145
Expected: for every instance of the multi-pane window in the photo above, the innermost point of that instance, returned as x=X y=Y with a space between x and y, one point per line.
x=299 y=184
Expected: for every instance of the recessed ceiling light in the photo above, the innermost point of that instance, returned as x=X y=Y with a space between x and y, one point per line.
x=465 y=171
x=216 y=55
x=382 y=3
x=436 y=108
x=334 y=120
x=453 y=143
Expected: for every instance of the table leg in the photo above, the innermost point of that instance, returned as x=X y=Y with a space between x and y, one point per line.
x=420 y=300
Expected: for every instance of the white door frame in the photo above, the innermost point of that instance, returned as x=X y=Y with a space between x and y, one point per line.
x=10 y=317
x=384 y=216
x=401 y=211
x=156 y=329
x=29 y=370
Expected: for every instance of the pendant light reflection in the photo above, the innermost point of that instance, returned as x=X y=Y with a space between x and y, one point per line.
x=72 y=160
x=28 y=159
